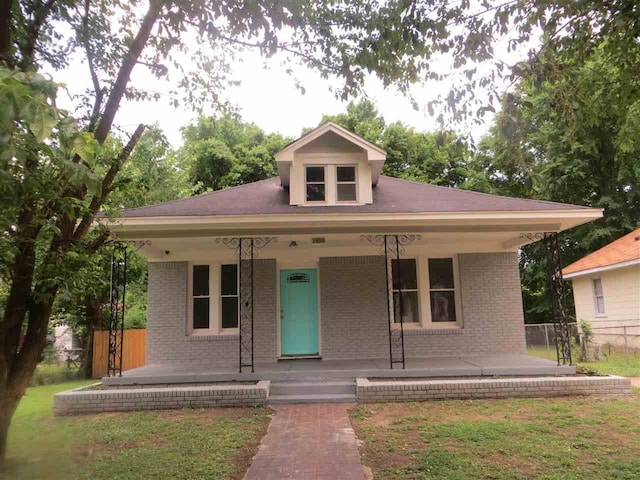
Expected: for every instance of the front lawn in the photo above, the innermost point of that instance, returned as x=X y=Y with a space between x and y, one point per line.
x=614 y=361
x=550 y=439
x=189 y=444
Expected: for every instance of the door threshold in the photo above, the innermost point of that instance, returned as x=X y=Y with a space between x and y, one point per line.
x=300 y=357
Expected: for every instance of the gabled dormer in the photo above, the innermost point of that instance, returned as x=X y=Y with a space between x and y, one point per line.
x=330 y=166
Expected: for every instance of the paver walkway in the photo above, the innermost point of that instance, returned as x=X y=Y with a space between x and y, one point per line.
x=306 y=442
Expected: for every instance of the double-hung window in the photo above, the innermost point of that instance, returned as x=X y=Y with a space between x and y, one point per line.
x=598 y=297
x=214 y=302
x=405 y=285
x=346 y=183
x=442 y=290
x=315 y=184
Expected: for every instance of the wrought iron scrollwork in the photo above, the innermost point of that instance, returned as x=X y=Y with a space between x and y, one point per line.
x=557 y=292
x=246 y=250
x=118 y=292
x=392 y=246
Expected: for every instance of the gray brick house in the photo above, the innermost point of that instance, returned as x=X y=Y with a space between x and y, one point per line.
x=333 y=260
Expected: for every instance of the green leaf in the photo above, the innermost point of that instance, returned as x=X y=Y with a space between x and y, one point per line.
x=44 y=121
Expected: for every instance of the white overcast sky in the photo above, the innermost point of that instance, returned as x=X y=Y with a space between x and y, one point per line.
x=269 y=98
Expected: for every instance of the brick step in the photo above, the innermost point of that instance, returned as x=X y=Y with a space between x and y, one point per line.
x=315 y=398
x=344 y=387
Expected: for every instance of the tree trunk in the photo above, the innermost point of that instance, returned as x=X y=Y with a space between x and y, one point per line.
x=16 y=382
x=8 y=404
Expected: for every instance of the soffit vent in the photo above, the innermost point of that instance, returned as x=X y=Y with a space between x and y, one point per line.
x=317 y=240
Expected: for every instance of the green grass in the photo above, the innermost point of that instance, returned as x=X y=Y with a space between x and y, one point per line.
x=523 y=439
x=48 y=374
x=187 y=444
x=614 y=364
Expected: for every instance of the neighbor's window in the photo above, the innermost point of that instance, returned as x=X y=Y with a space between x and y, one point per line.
x=316 y=191
x=201 y=299
x=442 y=291
x=229 y=295
x=598 y=296
x=405 y=283
x=346 y=184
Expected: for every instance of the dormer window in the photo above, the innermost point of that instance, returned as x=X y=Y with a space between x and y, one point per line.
x=346 y=190
x=316 y=187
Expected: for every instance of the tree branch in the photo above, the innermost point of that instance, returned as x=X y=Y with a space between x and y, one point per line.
x=27 y=51
x=93 y=120
x=98 y=200
x=122 y=79
x=5 y=33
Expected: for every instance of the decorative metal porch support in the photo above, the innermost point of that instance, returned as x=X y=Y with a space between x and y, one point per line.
x=118 y=292
x=557 y=294
x=117 y=295
x=246 y=250
x=393 y=247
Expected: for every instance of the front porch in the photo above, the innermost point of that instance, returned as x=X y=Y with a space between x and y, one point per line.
x=426 y=367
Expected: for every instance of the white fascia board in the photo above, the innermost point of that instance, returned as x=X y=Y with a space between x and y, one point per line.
x=468 y=218
x=606 y=268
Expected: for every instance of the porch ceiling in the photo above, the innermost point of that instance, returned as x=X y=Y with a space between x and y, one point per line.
x=329 y=245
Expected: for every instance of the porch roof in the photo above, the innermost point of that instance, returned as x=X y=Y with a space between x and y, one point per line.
x=391 y=195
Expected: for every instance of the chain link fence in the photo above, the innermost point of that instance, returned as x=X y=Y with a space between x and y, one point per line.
x=613 y=337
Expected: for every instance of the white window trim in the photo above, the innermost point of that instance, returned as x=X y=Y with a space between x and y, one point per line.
x=355 y=183
x=325 y=183
x=424 y=297
x=215 y=304
x=595 y=298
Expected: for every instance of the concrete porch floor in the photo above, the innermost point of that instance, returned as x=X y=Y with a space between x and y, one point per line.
x=460 y=366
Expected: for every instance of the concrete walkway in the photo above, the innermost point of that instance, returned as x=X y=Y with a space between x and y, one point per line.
x=635 y=381
x=308 y=442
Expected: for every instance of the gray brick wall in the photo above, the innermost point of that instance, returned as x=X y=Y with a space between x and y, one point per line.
x=354 y=319
x=419 y=390
x=167 y=340
x=86 y=400
x=491 y=308
x=353 y=313
x=353 y=307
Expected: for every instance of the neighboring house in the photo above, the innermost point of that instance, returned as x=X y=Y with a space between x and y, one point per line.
x=606 y=290
x=64 y=340
x=319 y=284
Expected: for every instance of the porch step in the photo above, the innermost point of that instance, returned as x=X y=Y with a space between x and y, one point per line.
x=317 y=398
x=320 y=391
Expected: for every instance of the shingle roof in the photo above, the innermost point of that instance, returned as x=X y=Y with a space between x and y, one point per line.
x=391 y=195
x=624 y=249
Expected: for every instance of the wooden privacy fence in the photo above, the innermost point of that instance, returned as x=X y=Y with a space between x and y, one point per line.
x=134 y=351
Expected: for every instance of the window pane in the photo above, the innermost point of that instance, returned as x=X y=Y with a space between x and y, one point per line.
x=346 y=174
x=597 y=286
x=409 y=307
x=315 y=174
x=200 y=313
x=346 y=192
x=408 y=278
x=229 y=279
x=599 y=305
x=315 y=192
x=200 y=280
x=441 y=272
x=230 y=312
x=443 y=307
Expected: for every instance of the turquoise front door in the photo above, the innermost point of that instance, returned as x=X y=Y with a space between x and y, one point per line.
x=299 y=311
